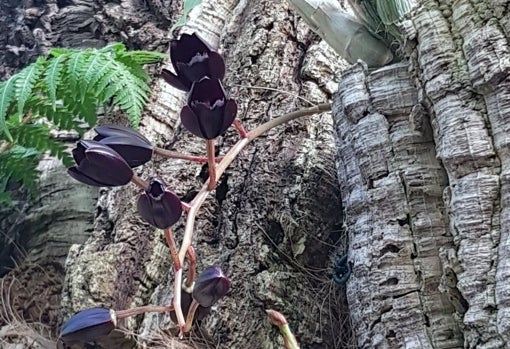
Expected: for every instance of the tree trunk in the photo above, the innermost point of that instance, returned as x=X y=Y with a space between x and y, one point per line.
x=274 y=222
x=423 y=168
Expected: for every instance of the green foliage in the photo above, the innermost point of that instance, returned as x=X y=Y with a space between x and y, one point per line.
x=188 y=6
x=383 y=16
x=62 y=92
x=392 y=12
x=17 y=164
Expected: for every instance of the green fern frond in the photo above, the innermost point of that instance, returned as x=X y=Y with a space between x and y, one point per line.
x=26 y=80
x=38 y=136
x=19 y=164
x=6 y=94
x=128 y=91
x=60 y=116
x=60 y=93
x=134 y=68
x=98 y=67
x=117 y=48
x=75 y=68
x=87 y=110
x=132 y=103
x=55 y=52
x=94 y=65
x=53 y=76
x=143 y=57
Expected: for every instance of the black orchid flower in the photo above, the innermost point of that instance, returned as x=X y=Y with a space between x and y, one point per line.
x=208 y=112
x=130 y=144
x=210 y=286
x=158 y=205
x=86 y=326
x=192 y=59
x=99 y=165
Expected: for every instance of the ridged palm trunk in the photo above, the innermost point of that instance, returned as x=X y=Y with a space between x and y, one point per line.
x=423 y=166
x=274 y=222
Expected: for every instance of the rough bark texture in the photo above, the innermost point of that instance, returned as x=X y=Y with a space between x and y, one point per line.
x=38 y=238
x=422 y=161
x=273 y=224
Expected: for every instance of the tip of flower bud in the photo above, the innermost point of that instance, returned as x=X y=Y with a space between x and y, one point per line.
x=276 y=317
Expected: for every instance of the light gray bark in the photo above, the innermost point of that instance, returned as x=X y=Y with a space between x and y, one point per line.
x=62 y=214
x=422 y=154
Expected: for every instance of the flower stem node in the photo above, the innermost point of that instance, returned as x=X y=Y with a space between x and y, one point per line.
x=192 y=60
x=208 y=112
x=130 y=144
x=188 y=289
x=87 y=326
x=99 y=165
x=158 y=205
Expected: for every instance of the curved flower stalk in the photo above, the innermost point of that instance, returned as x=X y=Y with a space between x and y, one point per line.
x=210 y=286
x=192 y=60
x=347 y=36
x=108 y=161
x=99 y=165
x=134 y=147
x=186 y=300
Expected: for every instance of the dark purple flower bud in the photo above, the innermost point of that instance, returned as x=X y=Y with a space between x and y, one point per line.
x=87 y=325
x=131 y=145
x=208 y=113
x=99 y=165
x=192 y=59
x=158 y=205
x=210 y=286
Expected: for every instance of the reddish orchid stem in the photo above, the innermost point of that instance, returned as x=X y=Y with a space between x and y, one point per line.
x=169 y=236
x=176 y=155
x=185 y=206
x=178 y=274
x=192 y=269
x=211 y=163
x=191 y=315
x=199 y=199
x=139 y=182
x=240 y=128
x=121 y=314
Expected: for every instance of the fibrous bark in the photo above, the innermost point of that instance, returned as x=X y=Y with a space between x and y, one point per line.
x=422 y=154
x=38 y=239
x=272 y=222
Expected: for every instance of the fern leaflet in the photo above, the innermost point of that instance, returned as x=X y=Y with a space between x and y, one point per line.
x=53 y=75
x=6 y=93
x=26 y=81
x=38 y=136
